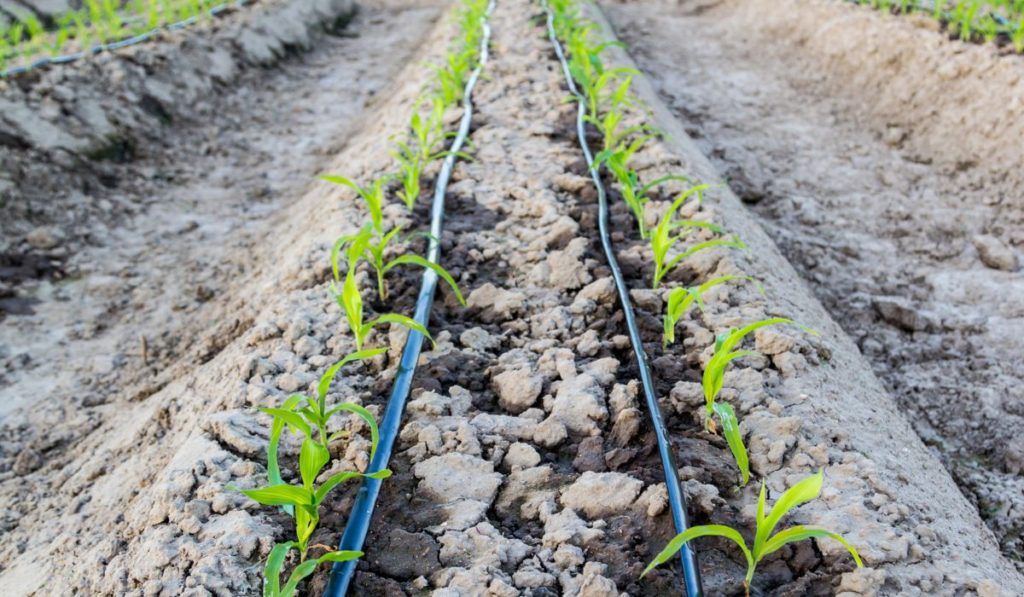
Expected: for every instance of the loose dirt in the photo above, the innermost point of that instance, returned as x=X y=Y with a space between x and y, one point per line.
x=525 y=466
x=864 y=144
x=148 y=298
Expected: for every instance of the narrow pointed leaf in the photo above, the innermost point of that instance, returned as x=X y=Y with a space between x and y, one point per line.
x=731 y=431
x=715 y=530
x=799 y=533
x=804 y=491
x=437 y=269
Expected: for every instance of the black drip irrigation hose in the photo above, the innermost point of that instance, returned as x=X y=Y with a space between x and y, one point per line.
x=117 y=45
x=358 y=525
x=677 y=499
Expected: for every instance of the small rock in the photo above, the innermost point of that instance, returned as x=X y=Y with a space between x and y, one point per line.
x=550 y=433
x=289 y=382
x=478 y=339
x=495 y=303
x=601 y=494
x=902 y=314
x=28 y=460
x=995 y=254
x=590 y=455
x=44 y=238
x=518 y=389
x=893 y=135
x=521 y=456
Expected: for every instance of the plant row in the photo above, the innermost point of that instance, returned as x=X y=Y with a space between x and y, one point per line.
x=98 y=22
x=611 y=110
x=377 y=248
x=978 y=20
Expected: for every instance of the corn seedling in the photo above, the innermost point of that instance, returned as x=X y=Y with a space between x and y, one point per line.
x=413 y=157
x=765 y=542
x=664 y=236
x=309 y=417
x=372 y=196
x=373 y=249
x=714 y=378
x=681 y=299
x=306 y=414
x=304 y=501
x=633 y=192
x=351 y=302
x=275 y=562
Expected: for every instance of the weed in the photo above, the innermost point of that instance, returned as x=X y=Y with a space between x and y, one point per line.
x=765 y=542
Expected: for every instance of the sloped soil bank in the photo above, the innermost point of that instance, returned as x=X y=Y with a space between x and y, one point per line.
x=874 y=152
x=157 y=290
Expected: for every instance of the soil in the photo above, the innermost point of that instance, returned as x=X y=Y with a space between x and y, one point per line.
x=910 y=239
x=525 y=466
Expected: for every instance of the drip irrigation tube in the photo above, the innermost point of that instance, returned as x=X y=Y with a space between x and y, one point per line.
x=117 y=45
x=677 y=499
x=362 y=511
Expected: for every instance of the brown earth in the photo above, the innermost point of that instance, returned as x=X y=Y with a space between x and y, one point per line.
x=525 y=465
x=883 y=160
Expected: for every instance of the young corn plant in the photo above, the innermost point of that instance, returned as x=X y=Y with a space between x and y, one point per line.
x=372 y=195
x=714 y=378
x=272 y=586
x=664 y=237
x=682 y=298
x=414 y=156
x=373 y=249
x=633 y=192
x=310 y=415
x=303 y=501
x=766 y=540
x=351 y=302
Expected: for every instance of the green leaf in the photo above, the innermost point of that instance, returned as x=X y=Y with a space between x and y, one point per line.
x=366 y=416
x=343 y=476
x=437 y=269
x=804 y=491
x=340 y=556
x=799 y=533
x=403 y=321
x=360 y=355
x=298 y=573
x=281 y=494
x=289 y=417
x=276 y=429
x=272 y=571
x=731 y=431
x=342 y=181
x=715 y=530
x=312 y=458
x=714 y=374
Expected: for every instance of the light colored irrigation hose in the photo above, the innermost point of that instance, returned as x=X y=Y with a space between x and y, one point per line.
x=677 y=499
x=358 y=525
x=117 y=45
